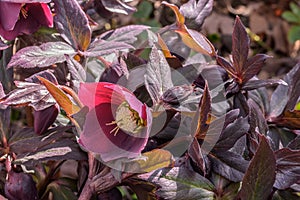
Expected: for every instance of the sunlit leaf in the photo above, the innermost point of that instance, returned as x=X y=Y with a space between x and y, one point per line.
x=72 y=23
x=41 y=56
x=195 y=12
x=158 y=75
x=180 y=183
x=117 y=6
x=153 y=160
x=179 y=17
x=260 y=176
x=61 y=98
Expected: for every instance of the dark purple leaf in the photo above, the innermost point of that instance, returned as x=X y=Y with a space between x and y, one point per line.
x=240 y=46
x=179 y=183
x=202 y=118
x=295 y=143
x=231 y=134
x=76 y=69
x=195 y=12
x=101 y=47
x=288 y=168
x=41 y=56
x=177 y=94
x=72 y=23
x=226 y=65
x=197 y=157
x=240 y=102
x=257 y=119
x=115 y=71
x=127 y=34
x=118 y=6
x=43 y=119
x=255 y=84
x=294 y=85
x=228 y=164
x=45 y=74
x=158 y=75
x=252 y=66
x=57 y=145
x=260 y=176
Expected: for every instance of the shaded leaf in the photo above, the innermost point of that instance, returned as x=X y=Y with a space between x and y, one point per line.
x=101 y=47
x=41 y=56
x=226 y=65
x=288 y=168
x=158 y=75
x=260 y=176
x=231 y=134
x=61 y=98
x=180 y=183
x=295 y=143
x=127 y=34
x=255 y=84
x=142 y=189
x=195 y=12
x=240 y=46
x=228 y=164
x=117 y=6
x=56 y=145
x=72 y=23
x=257 y=119
x=286 y=97
x=293 y=34
x=195 y=153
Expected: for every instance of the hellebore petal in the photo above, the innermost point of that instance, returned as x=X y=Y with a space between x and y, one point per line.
x=43 y=119
x=117 y=124
x=23 y=18
x=9 y=14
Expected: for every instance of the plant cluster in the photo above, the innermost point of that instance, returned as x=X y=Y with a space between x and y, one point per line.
x=139 y=112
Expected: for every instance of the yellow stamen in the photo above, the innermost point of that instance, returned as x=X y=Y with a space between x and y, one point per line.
x=24 y=12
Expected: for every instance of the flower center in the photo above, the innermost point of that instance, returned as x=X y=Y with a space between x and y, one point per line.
x=127 y=119
x=24 y=11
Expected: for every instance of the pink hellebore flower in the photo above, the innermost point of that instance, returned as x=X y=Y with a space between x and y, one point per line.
x=117 y=124
x=23 y=18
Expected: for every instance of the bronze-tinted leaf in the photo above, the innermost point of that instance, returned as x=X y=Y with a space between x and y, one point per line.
x=41 y=56
x=203 y=115
x=61 y=98
x=260 y=176
x=72 y=23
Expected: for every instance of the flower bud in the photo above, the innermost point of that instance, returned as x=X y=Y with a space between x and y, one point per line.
x=43 y=119
x=20 y=186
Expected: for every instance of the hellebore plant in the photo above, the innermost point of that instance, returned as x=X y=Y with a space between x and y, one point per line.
x=117 y=124
x=23 y=18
